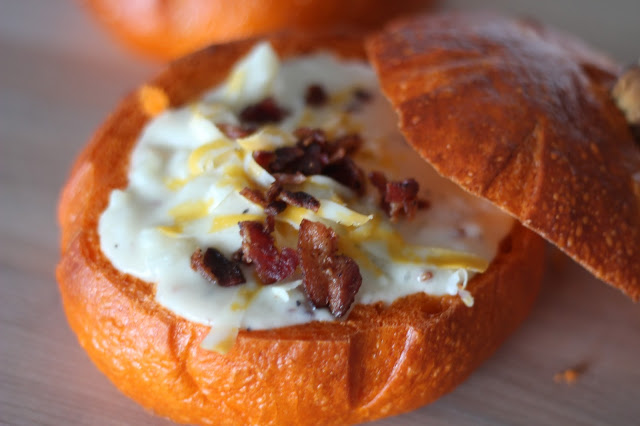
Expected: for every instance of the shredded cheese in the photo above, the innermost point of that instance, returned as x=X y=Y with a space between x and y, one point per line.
x=223 y=222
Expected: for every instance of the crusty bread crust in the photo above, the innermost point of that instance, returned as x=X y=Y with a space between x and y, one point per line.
x=382 y=360
x=522 y=115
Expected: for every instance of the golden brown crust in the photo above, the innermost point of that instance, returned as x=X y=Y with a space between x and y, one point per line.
x=379 y=362
x=521 y=115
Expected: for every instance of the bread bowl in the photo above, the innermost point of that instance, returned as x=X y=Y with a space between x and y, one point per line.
x=384 y=359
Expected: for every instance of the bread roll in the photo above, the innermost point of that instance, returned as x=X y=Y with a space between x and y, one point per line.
x=522 y=115
x=169 y=29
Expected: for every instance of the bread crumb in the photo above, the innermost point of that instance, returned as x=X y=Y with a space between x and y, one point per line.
x=153 y=100
x=567 y=376
x=571 y=375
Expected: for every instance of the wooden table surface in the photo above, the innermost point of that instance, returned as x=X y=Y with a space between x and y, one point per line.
x=59 y=77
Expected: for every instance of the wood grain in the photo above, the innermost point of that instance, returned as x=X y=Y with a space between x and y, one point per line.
x=59 y=78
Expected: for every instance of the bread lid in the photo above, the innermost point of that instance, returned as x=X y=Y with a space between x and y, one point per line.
x=522 y=116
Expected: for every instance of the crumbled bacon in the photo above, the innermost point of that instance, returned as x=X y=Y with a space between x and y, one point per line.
x=401 y=196
x=237 y=256
x=313 y=154
x=255 y=196
x=398 y=198
x=233 y=131
x=274 y=190
x=379 y=180
x=314 y=159
x=263 y=112
x=275 y=200
x=268 y=201
x=306 y=136
x=264 y=158
x=216 y=268
x=258 y=247
x=275 y=208
x=269 y=224
x=345 y=145
x=329 y=279
x=347 y=173
x=316 y=96
x=278 y=161
x=289 y=178
x=300 y=199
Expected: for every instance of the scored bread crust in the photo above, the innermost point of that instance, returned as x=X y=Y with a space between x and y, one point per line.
x=522 y=115
x=382 y=360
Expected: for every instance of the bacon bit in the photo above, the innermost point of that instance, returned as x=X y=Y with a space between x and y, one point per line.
x=278 y=161
x=316 y=96
x=264 y=158
x=289 y=178
x=426 y=276
x=274 y=190
x=262 y=199
x=258 y=247
x=314 y=155
x=379 y=180
x=255 y=196
x=237 y=256
x=275 y=208
x=276 y=199
x=300 y=199
x=233 y=131
x=329 y=280
x=401 y=196
x=313 y=161
x=265 y=111
x=269 y=224
x=153 y=100
x=216 y=268
x=347 y=173
x=345 y=145
x=307 y=136
x=398 y=197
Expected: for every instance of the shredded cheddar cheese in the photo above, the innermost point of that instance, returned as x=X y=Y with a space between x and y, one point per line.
x=208 y=156
x=223 y=222
x=190 y=210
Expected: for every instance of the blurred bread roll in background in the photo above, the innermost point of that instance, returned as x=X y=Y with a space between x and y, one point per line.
x=164 y=30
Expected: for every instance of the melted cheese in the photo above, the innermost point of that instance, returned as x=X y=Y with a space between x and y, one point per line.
x=183 y=194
